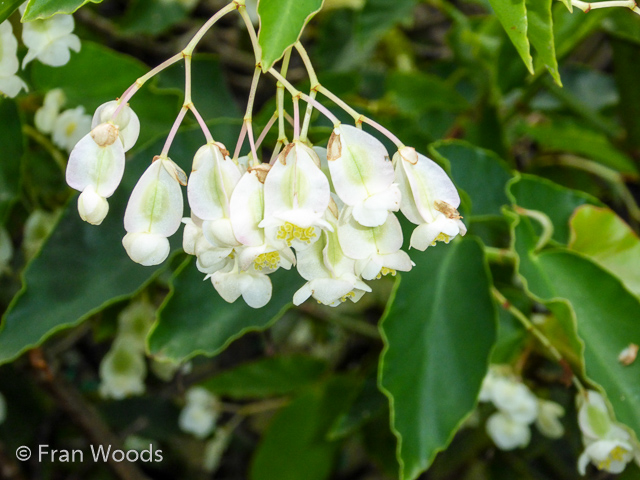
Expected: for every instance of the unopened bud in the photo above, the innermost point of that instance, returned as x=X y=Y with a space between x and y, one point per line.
x=92 y=207
x=409 y=154
x=105 y=134
x=146 y=248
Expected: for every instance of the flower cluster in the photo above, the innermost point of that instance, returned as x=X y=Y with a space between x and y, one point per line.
x=67 y=127
x=607 y=444
x=200 y=413
x=518 y=408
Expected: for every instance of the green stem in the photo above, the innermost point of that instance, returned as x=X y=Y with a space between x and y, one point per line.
x=43 y=141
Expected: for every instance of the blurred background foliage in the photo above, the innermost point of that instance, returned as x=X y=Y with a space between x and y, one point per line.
x=549 y=185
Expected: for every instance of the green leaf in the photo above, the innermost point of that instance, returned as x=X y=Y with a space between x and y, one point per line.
x=540 y=33
x=10 y=156
x=295 y=445
x=557 y=202
x=152 y=17
x=267 y=377
x=626 y=70
x=480 y=173
x=281 y=24
x=98 y=74
x=513 y=17
x=564 y=136
x=407 y=89
x=41 y=9
x=187 y=325
x=606 y=239
x=82 y=268
x=7 y=7
x=438 y=334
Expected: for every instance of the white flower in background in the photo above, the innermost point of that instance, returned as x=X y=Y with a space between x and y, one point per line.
x=6 y=249
x=134 y=322
x=3 y=409
x=296 y=195
x=214 y=449
x=166 y=369
x=122 y=370
x=154 y=212
x=49 y=40
x=36 y=229
x=126 y=120
x=515 y=399
x=548 y=421
x=200 y=413
x=46 y=115
x=429 y=199
x=607 y=445
x=362 y=175
x=10 y=83
x=70 y=126
x=375 y=249
x=508 y=433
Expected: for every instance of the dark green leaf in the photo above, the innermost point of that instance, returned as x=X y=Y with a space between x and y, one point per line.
x=438 y=334
x=267 y=377
x=7 y=7
x=281 y=24
x=187 y=325
x=513 y=17
x=152 y=17
x=540 y=33
x=41 y=9
x=10 y=155
x=626 y=71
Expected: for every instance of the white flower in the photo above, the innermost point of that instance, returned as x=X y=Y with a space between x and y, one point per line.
x=362 y=175
x=296 y=195
x=46 y=115
x=122 y=370
x=429 y=199
x=3 y=409
x=96 y=170
x=50 y=40
x=515 y=399
x=6 y=249
x=231 y=282
x=134 y=322
x=126 y=120
x=154 y=212
x=506 y=432
x=10 y=83
x=200 y=412
x=548 y=421
x=214 y=449
x=609 y=455
x=593 y=416
x=375 y=249
x=70 y=126
x=36 y=229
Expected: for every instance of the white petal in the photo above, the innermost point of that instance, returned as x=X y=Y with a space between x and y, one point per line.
x=11 y=86
x=92 y=207
x=506 y=433
x=259 y=293
x=146 y=248
x=219 y=232
x=126 y=120
x=361 y=242
x=302 y=294
x=246 y=210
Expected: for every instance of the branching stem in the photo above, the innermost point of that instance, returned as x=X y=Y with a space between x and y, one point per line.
x=588 y=6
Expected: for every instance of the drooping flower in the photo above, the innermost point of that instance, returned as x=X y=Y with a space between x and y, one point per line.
x=200 y=413
x=122 y=370
x=548 y=421
x=36 y=229
x=46 y=115
x=154 y=213
x=252 y=284
x=429 y=199
x=70 y=126
x=50 y=40
x=126 y=120
x=10 y=83
x=506 y=432
x=515 y=399
x=134 y=322
x=362 y=175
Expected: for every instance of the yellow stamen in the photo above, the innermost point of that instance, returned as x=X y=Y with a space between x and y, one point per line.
x=267 y=260
x=71 y=128
x=442 y=237
x=616 y=454
x=386 y=271
x=351 y=294
x=289 y=232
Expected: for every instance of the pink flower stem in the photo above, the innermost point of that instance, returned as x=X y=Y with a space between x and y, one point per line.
x=173 y=132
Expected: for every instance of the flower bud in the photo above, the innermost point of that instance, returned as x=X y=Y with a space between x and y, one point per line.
x=92 y=207
x=126 y=121
x=105 y=134
x=146 y=248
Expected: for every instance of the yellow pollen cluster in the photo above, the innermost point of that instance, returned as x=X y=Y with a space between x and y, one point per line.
x=351 y=294
x=386 y=271
x=442 y=237
x=290 y=232
x=615 y=454
x=267 y=260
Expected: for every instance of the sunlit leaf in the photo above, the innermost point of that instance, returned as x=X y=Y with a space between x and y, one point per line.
x=41 y=9
x=513 y=17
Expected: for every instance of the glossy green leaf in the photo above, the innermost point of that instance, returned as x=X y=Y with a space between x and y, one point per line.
x=540 y=33
x=480 y=173
x=10 y=155
x=562 y=137
x=438 y=333
x=7 y=7
x=82 y=268
x=267 y=377
x=513 y=17
x=281 y=24
x=295 y=445
x=188 y=326
x=98 y=74
x=41 y=9
x=557 y=202
x=606 y=239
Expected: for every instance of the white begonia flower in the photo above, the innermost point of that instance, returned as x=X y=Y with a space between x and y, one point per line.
x=154 y=212
x=429 y=199
x=212 y=181
x=548 y=420
x=36 y=229
x=134 y=322
x=126 y=120
x=375 y=249
x=70 y=126
x=46 y=115
x=215 y=448
x=231 y=282
x=593 y=417
x=95 y=168
x=515 y=400
x=50 y=40
x=296 y=195
x=122 y=370
x=362 y=175
x=330 y=274
x=506 y=432
x=6 y=249
x=210 y=258
x=10 y=83
x=609 y=455
x=486 y=390
x=200 y=412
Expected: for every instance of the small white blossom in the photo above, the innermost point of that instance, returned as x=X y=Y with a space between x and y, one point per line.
x=508 y=433
x=70 y=126
x=122 y=370
x=10 y=83
x=6 y=249
x=134 y=322
x=515 y=399
x=200 y=412
x=36 y=229
x=50 y=40
x=45 y=117
x=231 y=282
x=548 y=421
